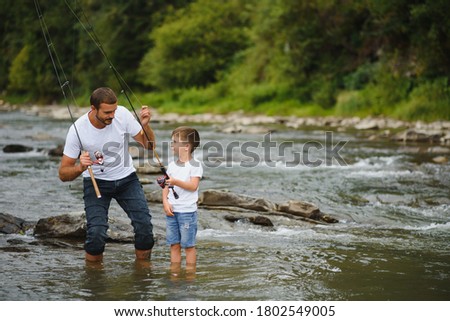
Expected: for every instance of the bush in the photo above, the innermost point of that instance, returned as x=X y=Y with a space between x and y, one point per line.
x=20 y=73
x=428 y=101
x=360 y=77
x=350 y=103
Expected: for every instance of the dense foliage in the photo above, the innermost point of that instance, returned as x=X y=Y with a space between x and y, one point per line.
x=318 y=57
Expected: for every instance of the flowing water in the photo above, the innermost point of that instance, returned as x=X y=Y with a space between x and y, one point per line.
x=392 y=241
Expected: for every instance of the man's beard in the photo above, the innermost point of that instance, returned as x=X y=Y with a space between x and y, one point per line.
x=106 y=121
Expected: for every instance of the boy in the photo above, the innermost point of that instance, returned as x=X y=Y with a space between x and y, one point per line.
x=181 y=213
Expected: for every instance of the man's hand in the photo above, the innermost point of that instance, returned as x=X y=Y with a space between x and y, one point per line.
x=146 y=137
x=70 y=170
x=145 y=116
x=85 y=161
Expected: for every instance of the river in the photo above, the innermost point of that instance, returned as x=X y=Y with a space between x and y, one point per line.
x=391 y=242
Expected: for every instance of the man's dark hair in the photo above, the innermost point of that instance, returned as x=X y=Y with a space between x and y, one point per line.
x=103 y=95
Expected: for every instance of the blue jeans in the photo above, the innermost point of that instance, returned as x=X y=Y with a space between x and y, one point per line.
x=129 y=194
x=181 y=229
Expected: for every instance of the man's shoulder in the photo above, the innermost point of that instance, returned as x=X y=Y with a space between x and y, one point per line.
x=124 y=115
x=122 y=110
x=82 y=120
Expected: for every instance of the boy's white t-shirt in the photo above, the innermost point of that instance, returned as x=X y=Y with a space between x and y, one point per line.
x=187 y=201
x=111 y=141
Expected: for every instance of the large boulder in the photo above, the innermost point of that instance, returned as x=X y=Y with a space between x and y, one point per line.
x=306 y=210
x=293 y=208
x=222 y=198
x=73 y=226
x=57 y=151
x=154 y=196
x=13 y=225
x=257 y=220
x=299 y=208
x=16 y=148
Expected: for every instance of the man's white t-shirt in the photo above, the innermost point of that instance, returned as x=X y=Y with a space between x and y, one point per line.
x=111 y=141
x=187 y=201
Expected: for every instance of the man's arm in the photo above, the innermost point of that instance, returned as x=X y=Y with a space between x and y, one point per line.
x=141 y=138
x=70 y=170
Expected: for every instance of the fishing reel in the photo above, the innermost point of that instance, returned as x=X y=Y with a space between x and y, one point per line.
x=162 y=182
x=99 y=156
x=99 y=160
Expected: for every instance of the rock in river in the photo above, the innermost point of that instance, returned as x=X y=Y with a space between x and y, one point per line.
x=292 y=209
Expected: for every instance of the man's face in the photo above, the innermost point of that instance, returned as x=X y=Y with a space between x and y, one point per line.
x=105 y=114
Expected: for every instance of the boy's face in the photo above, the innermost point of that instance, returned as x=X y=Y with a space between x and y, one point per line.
x=179 y=146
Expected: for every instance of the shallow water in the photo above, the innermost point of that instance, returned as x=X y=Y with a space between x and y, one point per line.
x=392 y=242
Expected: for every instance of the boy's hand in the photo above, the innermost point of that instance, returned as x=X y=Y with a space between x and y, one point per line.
x=168 y=209
x=171 y=181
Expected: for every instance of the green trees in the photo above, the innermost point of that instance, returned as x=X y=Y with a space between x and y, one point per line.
x=195 y=45
x=345 y=57
x=409 y=75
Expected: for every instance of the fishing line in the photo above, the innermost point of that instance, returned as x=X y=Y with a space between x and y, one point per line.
x=86 y=25
x=57 y=66
x=62 y=80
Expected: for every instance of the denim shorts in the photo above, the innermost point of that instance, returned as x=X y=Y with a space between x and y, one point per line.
x=129 y=194
x=181 y=229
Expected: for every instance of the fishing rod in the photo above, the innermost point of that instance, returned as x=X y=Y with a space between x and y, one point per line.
x=123 y=85
x=63 y=83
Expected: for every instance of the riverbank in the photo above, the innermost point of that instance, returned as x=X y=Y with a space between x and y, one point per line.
x=373 y=128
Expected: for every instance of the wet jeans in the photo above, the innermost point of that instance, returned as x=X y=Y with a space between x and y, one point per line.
x=130 y=196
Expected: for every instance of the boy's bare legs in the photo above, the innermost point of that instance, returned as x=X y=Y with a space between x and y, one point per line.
x=175 y=260
x=191 y=255
x=175 y=270
x=191 y=262
x=175 y=253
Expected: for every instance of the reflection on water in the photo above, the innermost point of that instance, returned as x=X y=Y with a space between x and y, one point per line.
x=119 y=277
x=391 y=242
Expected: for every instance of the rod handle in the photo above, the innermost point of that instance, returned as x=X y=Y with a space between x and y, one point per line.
x=94 y=182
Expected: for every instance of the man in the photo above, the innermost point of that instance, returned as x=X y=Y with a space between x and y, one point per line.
x=104 y=132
